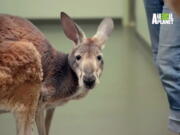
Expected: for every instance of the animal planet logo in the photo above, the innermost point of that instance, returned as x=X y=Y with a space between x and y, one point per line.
x=164 y=18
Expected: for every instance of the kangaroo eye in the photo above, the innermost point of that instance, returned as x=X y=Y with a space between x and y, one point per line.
x=99 y=57
x=78 y=57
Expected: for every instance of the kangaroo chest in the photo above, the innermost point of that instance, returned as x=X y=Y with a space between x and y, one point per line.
x=47 y=102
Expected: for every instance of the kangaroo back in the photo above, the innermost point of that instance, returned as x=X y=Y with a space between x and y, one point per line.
x=14 y=28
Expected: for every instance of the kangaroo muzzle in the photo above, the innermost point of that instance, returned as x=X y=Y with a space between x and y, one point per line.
x=89 y=81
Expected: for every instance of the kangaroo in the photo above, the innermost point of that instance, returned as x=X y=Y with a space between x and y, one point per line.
x=65 y=76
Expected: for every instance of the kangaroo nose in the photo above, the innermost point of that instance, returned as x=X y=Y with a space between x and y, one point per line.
x=89 y=81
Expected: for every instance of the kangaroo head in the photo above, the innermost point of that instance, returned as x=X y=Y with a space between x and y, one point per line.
x=86 y=58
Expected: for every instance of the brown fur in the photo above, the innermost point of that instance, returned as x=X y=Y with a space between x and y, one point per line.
x=21 y=41
x=19 y=63
x=25 y=53
x=20 y=80
x=174 y=5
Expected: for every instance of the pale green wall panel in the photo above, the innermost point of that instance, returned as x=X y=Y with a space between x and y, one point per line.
x=51 y=8
x=141 y=21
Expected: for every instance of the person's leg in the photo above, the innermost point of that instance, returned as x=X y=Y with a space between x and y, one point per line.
x=153 y=6
x=167 y=68
x=168 y=62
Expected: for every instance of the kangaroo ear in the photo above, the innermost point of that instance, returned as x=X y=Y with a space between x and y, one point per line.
x=103 y=32
x=71 y=29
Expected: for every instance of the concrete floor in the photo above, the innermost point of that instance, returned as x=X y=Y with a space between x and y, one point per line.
x=128 y=101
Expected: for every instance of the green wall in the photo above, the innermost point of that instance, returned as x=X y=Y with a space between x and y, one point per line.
x=141 y=21
x=51 y=8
